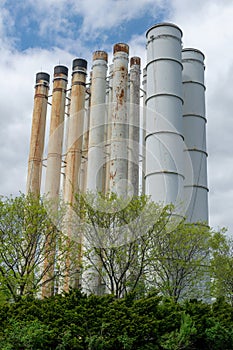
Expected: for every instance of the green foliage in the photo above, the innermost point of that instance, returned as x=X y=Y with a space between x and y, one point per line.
x=25 y=335
x=74 y=321
x=118 y=235
x=28 y=239
x=222 y=265
x=180 y=260
x=182 y=338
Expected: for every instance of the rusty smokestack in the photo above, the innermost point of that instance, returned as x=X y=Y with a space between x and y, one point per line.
x=38 y=133
x=53 y=172
x=119 y=128
x=134 y=112
x=73 y=166
x=75 y=129
x=96 y=151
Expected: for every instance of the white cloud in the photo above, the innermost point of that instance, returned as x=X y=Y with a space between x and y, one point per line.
x=56 y=15
x=16 y=104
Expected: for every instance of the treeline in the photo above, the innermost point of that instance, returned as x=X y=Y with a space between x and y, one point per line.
x=148 y=277
x=111 y=246
x=76 y=321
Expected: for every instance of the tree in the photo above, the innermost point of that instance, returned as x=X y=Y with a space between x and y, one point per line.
x=29 y=235
x=182 y=338
x=180 y=258
x=222 y=265
x=117 y=237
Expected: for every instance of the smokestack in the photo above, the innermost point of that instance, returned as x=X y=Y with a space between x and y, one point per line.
x=195 y=185
x=108 y=129
x=96 y=151
x=119 y=128
x=143 y=169
x=134 y=124
x=73 y=165
x=86 y=126
x=53 y=172
x=75 y=130
x=164 y=140
x=38 y=133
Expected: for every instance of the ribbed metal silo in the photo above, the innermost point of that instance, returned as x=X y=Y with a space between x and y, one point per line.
x=54 y=157
x=134 y=125
x=96 y=149
x=38 y=133
x=118 y=172
x=194 y=119
x=75 y=129
x=164 y=139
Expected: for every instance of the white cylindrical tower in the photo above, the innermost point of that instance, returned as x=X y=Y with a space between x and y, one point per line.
x=96 y=149
x=108 y=129
x=119 y=129
x=75 y=130
x=53 y=171
x=143 y=168
x=85 y=145
x=164 y=137
x=195 y=185
x=38 y=133
x=134 y=126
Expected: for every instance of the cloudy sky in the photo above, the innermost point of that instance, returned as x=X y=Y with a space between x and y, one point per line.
x=36 y=35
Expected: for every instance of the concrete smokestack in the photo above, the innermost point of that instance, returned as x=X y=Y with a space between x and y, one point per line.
x=75 y=130
x=108 y=130
x=83 y=185
x=164 y=139
x=195 y=185
x=38 y=133
x=134 y=124
x=119 y=128
x=96 y=151
x=53 y=172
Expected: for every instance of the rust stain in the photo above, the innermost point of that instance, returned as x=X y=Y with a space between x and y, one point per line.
x=100 y=55
x=112 y=175
x=122 y=94
x=121 y=47
x=135 y=61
